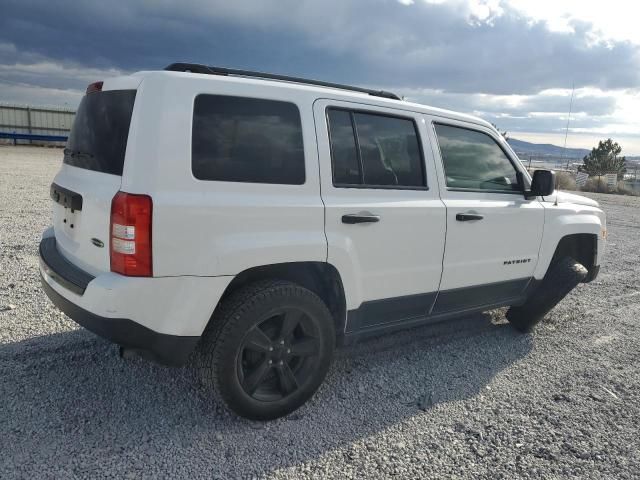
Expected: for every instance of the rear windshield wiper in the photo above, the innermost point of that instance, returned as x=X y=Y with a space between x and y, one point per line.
x=77 y=153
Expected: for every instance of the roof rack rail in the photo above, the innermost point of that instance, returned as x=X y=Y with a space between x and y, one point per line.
x=198 y=68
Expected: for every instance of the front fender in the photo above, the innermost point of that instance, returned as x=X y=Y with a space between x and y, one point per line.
x=568 y=219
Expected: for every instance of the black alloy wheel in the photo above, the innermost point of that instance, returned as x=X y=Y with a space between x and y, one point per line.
x=268 y=348
x=278 y=354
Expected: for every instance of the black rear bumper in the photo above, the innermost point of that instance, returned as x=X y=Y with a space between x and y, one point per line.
x=60 y=269
x=166 y=349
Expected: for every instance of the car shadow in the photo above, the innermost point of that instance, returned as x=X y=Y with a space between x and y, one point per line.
x=72 y=405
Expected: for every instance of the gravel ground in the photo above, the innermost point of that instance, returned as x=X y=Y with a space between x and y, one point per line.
x=467 y=399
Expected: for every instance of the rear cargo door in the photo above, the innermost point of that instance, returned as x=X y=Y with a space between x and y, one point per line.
x=90 y=176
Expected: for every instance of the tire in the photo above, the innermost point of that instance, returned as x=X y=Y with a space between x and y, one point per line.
x=562 y=277
x=248 y=353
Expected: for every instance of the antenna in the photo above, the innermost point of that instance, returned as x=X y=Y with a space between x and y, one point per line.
x=566 y=131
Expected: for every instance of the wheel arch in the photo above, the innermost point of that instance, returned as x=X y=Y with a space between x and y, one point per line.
x=320 y=277
x=582 y=247
x=567 y=227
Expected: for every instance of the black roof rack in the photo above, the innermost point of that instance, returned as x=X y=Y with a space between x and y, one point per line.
x=198 y=68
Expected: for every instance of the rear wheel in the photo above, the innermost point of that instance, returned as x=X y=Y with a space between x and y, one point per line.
x=269 y=348
x=562 y=277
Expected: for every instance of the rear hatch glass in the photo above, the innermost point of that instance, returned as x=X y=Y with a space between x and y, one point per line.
x=98 y=139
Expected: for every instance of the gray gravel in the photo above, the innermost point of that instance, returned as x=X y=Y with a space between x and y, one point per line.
x=468 y=399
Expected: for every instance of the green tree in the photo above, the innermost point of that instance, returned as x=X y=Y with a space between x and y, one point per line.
x=605 y=159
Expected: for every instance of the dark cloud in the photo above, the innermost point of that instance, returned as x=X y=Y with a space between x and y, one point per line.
x=373 y=42
x=420 y=48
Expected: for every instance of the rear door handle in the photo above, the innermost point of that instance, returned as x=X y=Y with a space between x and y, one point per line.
x=353 y=218
x=467 y=217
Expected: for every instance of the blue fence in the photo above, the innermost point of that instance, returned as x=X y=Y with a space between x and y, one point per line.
x=32 y=136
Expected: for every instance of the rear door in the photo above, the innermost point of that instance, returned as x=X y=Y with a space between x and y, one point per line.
x=493 y=232
x=90 y=176
x=385 y=222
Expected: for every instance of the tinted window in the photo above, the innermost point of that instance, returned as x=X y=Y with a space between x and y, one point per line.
x=98 y=138
x=382 y=151
x=474 y=160
x=239 y=139
x=346 y=167
x=389 y=150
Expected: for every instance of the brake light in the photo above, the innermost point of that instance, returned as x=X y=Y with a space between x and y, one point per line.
x=130 y=234
x=95 y=87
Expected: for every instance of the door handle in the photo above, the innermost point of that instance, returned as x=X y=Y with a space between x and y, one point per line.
x=467 y=217
x=353 y=218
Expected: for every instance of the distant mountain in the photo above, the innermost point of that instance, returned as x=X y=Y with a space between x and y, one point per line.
x=527 y=148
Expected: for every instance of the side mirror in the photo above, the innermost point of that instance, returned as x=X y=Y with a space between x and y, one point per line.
x=543 y=183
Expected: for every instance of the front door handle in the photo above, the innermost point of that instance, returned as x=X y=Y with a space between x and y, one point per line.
x=467 y=217
x=353 y=218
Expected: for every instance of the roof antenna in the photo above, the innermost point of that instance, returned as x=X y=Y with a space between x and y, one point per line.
x=566 y=134
x=566 y=130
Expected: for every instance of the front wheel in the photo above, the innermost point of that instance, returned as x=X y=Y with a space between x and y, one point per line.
x=269 y=348
x=561 y=278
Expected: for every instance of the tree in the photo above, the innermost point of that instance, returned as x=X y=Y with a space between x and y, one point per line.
x=604 y=159
x=505 y=134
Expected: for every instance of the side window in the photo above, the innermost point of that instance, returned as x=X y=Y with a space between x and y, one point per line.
x=473 y=160
x=236 y=139
x=344 y=151
x=374 y=150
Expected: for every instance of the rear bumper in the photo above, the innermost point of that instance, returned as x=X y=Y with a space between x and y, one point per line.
x=162 y=318
x=165 y=349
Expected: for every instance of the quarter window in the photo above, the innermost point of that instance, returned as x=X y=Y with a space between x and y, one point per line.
x=374 y=150
x=238 y=139
x=344 y=151
x=473 y=160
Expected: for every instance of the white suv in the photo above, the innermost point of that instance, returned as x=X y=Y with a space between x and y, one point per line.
x=265 y=219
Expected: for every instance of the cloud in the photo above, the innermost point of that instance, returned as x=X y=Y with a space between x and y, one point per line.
x=25 y=94
x=49 y=74
x=479 y=56
x=591 y=101
x=470 y=46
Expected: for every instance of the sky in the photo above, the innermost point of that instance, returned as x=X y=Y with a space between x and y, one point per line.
x=511 y=62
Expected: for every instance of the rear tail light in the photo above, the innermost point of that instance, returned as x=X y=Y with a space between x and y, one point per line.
x=130 y=235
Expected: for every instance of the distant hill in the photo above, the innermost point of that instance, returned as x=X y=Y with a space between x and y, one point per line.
x=527 y=148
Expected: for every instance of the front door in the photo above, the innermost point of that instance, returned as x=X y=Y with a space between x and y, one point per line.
x=493 y=232
x=384 y=220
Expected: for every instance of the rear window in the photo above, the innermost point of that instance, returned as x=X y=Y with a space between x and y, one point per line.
x=98 y=138
x=374 y=150
x=237 y=139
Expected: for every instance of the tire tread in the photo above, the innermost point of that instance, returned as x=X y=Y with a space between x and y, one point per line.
x=225 y=320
